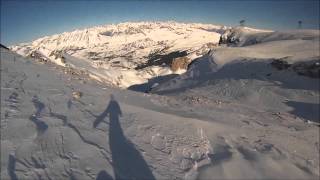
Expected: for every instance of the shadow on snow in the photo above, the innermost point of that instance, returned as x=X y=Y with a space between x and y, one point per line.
x=127 y=161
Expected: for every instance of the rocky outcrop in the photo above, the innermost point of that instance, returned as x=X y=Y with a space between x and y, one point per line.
x=38 y=56
x=2 y=46
x=180 y=63
x=309 y=68
x=158 y=59
x=230 y=37
x=76 y=94
x=280 y=64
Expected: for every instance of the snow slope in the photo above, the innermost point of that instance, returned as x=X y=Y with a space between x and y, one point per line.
x=247 y=36
x=46 y=133
x=118 y=49
x=245 y=76
x=227 y=63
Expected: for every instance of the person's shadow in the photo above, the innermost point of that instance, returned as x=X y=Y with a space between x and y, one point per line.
x=103 y=175
x=127 y=161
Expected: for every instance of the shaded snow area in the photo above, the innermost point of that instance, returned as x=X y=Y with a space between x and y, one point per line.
x=241 y=111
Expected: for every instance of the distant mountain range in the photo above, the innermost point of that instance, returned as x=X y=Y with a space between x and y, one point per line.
x=127 y=53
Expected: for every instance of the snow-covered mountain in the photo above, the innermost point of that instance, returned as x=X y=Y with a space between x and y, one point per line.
x=246 y=107
x=126 y=54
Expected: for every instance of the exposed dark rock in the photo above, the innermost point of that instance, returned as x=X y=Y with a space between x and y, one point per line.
x=156 y=59
x=38 y=56
x=229 y=37
x=2 y=46
x=280 y=64
x=310 y=68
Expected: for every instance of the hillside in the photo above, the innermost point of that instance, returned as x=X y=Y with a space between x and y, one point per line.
x=222 y=103
x=54 y=125
x=279 y=72
x=133 y=52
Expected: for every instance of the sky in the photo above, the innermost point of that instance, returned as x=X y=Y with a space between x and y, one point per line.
x=27 y=20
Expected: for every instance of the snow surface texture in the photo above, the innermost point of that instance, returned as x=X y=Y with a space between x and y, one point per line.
x=246 y=75
x=232 y=115
x=111 y=53
x=223 y=119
